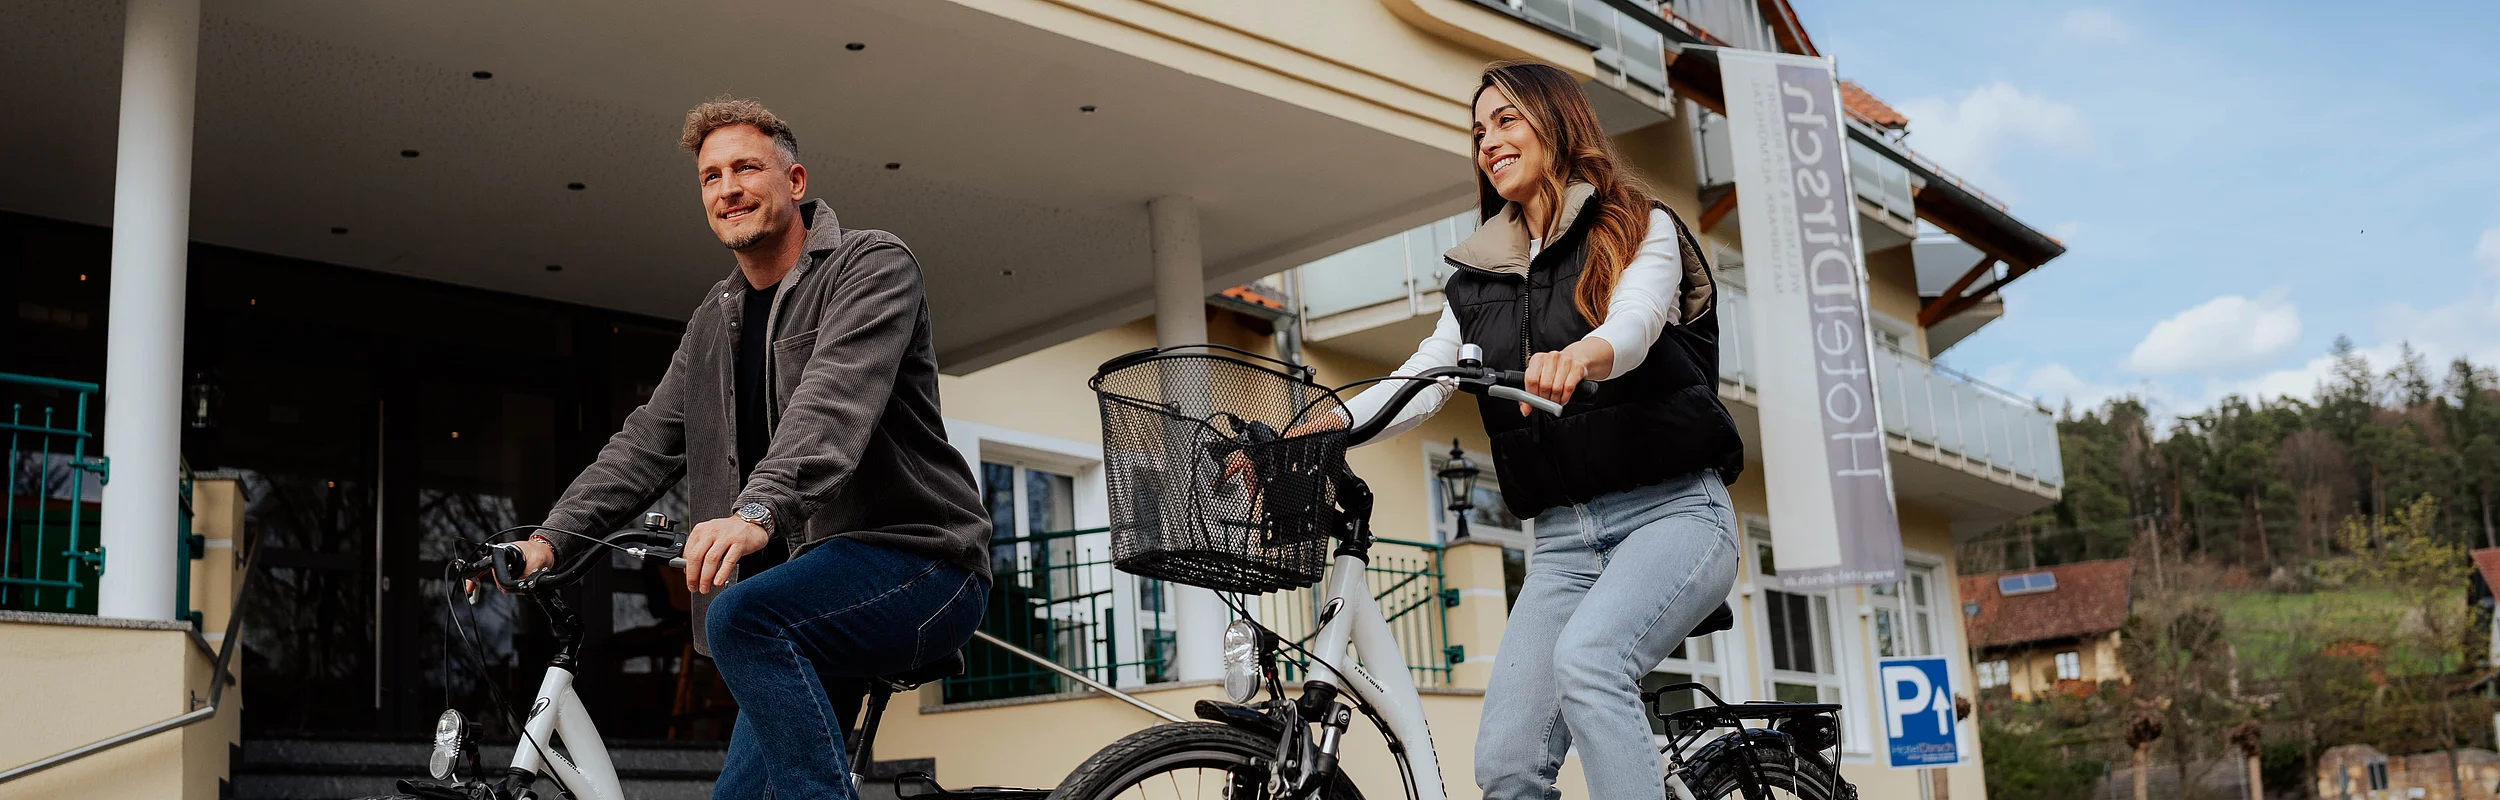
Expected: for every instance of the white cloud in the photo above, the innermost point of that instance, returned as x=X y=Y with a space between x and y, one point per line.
x=2300 y=382
x=2487 y=251
x=1969 y=135
x=2057 y=386
x=2094 y=25
x=2226 y=332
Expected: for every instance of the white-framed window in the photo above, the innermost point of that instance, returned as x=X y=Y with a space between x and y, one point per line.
x=1047 y=502
x=1993 y=674
x=2070 y=666
x=1802 y=661
x=1697 y=660
x=1904 y=614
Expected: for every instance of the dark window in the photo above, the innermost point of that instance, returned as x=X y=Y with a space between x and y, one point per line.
x=1792 y=631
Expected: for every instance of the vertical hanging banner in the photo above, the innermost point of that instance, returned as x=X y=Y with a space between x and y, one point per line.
x=1827 y=479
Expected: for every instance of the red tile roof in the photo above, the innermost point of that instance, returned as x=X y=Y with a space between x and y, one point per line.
x=1254 y=297
x=2487 y=562
x=1869 y=110
x=2091 y=599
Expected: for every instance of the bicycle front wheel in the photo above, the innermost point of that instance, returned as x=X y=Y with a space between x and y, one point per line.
x=1183 y=761
x=1783 y=772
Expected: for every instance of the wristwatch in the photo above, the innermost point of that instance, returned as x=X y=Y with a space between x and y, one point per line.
x=758 y=513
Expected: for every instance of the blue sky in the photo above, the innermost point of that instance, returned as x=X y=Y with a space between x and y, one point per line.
x=2237 y=183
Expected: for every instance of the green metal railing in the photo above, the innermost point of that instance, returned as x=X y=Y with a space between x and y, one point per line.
x=1057 y=595
x=1413 y=594
x=51 y=549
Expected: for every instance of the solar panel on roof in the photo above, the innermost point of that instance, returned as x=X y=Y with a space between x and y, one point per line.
x=2027 y=583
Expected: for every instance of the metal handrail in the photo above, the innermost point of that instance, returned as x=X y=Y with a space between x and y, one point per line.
x=1074 y=675
x=216 y=689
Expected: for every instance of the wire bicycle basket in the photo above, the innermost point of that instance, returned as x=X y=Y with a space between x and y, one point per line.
x=1205 y=488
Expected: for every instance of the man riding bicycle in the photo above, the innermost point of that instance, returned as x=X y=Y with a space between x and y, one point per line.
x=801 y=410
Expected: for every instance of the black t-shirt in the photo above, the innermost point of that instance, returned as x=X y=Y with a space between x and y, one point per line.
x=755 y=434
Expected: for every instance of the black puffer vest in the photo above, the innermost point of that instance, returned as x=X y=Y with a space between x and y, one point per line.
x=1661 y=420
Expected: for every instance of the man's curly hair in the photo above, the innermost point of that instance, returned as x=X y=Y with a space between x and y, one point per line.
x=724 y=111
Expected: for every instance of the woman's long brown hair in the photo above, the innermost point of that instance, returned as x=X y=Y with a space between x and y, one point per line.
x=1567 y=125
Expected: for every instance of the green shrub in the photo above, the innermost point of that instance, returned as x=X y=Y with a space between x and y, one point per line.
x=2027 y=766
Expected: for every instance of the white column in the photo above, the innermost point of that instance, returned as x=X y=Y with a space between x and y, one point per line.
x=143 y=350
x=1181 y=318
x=1180 y=272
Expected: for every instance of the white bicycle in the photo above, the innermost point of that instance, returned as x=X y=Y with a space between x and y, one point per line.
x=1207 y=490
x=558 y=742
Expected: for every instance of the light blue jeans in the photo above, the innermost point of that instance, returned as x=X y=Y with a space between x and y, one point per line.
x=1613 y=585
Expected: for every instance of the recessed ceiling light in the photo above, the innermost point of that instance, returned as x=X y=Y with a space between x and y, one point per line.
x=555 y=268
x=575 y=186
x=893 y=165
x=481 y=75
x=1085 y=109
x=338 y=231
x=413 y=153
x=855 y=46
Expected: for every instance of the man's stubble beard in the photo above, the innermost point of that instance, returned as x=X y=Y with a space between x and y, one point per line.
x=744 y=241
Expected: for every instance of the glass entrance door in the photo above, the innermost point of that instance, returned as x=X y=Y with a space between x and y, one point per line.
x=477 y=455
x=307 y=461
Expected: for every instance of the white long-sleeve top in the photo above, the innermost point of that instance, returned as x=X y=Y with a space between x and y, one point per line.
x=1643 y=305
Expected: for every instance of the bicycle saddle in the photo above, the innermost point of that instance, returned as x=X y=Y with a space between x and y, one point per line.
x=947 y=666
x=1719 y=620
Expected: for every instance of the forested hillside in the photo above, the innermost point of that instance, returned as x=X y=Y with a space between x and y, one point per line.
x=2301 y=574
x=2264 y=485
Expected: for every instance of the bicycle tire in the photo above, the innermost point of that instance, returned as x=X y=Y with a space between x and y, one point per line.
x=1167 y=749
x=1721 y=770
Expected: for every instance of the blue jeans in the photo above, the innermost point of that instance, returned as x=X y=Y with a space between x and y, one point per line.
x=843 y=609
x=1612 y=587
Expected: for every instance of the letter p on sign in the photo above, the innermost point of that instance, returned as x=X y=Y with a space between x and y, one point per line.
x=1919 y=728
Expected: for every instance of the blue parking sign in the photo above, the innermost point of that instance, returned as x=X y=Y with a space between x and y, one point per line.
x=1919 y=728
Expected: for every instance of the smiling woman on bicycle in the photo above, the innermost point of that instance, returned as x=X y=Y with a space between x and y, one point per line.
x=1576 y=273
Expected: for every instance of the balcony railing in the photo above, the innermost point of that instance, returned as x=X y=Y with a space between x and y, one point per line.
x=50 y=548
x=1058 y=596
x=1404 y=267
x=1954 y=415
x=1408 y=582
x=1623 y=45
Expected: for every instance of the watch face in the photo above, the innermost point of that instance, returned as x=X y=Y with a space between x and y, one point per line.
x=753 y=512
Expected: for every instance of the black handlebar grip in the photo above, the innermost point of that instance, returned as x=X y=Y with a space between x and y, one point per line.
x=509 y=565
x=1519 y=380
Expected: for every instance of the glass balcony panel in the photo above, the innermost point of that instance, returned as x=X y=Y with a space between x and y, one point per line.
x=1551 y=12
x=1890 y=375
x=1368 y=275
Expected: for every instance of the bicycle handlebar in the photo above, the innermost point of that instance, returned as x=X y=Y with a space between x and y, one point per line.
x=1471 y=377
x=501 y=562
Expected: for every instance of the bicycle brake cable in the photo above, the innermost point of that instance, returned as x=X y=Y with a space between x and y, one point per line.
x=575 y=534
x=494 y=690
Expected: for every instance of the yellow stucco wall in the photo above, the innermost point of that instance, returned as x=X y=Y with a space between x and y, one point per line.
x=70 y=684
x=2032 y=671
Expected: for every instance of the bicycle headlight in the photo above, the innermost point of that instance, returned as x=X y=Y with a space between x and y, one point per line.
x=449 y=731
x=1241 y=661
